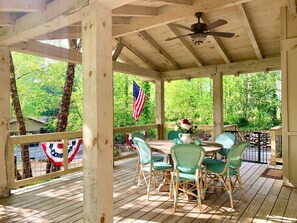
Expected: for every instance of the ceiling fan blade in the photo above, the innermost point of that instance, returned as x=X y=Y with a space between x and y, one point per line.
x=216 y=24
x=221 y=34
x=183 y=27
x=179 y=37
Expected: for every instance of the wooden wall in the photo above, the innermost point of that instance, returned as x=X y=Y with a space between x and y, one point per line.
x=289 y=95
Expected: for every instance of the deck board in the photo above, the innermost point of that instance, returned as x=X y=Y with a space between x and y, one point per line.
x=60 y=200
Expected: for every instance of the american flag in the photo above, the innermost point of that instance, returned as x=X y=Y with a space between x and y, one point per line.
x=138 y=101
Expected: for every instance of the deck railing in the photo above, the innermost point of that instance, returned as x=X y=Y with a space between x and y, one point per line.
x=39 y=165
x=38 y=160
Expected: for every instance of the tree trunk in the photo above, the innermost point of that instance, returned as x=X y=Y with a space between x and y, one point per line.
x=66 y=99
x=27 y=171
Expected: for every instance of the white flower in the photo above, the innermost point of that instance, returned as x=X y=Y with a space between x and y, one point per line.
x=186 y=126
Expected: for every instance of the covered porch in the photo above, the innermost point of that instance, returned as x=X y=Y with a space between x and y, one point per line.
x=61 y=200
x=129 y=36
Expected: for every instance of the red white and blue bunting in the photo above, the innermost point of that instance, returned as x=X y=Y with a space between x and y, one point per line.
x=54 y=151
x=129 y=139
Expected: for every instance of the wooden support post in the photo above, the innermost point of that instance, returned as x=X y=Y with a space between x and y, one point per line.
x=218 y=122
x=4 y=119
x=97 y=113
x=160 y=117
x=289 y=94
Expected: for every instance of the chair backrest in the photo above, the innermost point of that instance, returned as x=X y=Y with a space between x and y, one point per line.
x=187 y=157
x=227 y=140
x=138 y=135
x=235 y=154
x=130 y=136
x=173 y=134
x=144 y=150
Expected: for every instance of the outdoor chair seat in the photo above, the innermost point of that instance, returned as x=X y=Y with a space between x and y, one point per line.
x=157 y=166
x=219 y=168
x=157 y=158
x=211 y=161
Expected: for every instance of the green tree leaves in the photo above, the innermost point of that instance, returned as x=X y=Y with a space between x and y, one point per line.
x=250 y=100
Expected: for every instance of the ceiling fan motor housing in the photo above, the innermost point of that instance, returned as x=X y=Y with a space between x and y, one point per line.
x=198 y=27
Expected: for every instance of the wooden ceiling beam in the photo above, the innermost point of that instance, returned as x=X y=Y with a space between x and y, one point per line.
x=116 y=20
x=112 y=4
x=186 y=46
x=58 y=53
x=49 y=51
x=145 y=36
x=173 y=13
x=120 y=21
x=143 y=58
x=124 y=59
x=177 y=2
x=6 y=19
x=236 y=68
x=135 y=11
x=292 y=7
x=117 y=51
x=73 y=31
x=249 y=28
x=216 y=42
x=135 y=70
x=22 y=5
x=58 y=14
x=70 y=32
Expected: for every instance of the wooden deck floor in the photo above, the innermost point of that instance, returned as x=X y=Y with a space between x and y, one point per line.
x=60 y=200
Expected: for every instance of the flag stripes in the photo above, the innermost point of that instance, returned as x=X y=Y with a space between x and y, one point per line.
x=139 y=97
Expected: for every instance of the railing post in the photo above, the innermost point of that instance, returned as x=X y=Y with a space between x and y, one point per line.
x=65 y=154
x=273 y=147
x=11 y=168
x=259 y=146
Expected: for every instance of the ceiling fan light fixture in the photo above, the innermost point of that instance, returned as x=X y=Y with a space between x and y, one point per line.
x=198 y=38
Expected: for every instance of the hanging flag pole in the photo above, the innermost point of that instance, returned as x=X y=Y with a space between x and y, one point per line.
x=139 y=97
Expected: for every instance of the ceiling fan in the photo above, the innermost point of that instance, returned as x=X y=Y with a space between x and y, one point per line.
x=200 y=30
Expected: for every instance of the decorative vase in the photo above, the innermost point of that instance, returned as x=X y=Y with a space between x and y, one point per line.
x=185 y=137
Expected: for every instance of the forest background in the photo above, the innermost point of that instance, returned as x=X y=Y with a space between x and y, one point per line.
x=252 y=101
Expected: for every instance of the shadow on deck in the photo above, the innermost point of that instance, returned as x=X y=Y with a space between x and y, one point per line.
x=60 y=200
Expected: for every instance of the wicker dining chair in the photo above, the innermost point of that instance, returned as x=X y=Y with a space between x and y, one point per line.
x=187 y=173
x=149 y=170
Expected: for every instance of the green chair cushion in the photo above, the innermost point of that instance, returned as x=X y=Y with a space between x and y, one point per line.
x=219 y=168
x=187 y=176
x=208 y=161
x=184 y=169
x=224 y=152
x=158 y=158
x=157 y=166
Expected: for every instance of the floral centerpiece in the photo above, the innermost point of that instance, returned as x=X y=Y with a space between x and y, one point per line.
x=184 y=126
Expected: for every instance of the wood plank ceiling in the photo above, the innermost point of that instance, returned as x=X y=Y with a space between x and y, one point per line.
x=141 y=27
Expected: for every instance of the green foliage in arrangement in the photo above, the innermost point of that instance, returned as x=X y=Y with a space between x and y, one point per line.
x=251 y=101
